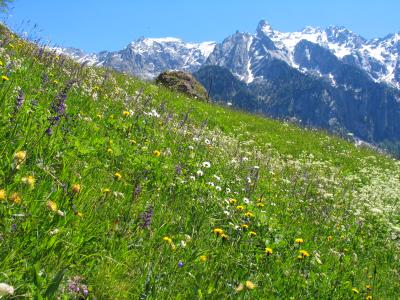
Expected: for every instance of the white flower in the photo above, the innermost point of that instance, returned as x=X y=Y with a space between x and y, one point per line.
x=200 y=173
x=207 y=141
x=206 y=164
x=192 y=178
x=227 y=213
x=248 y=179
x=195 y=139
x=218 y=188
x=6 y=289
x=211 y=183
x=60 y=213
x=256 y=167
x=246 y=200
x=188 y=238
x=245 y=158
x=191 y=148
x=228 y=190
x=183 y=244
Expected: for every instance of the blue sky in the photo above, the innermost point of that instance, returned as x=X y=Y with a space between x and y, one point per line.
x=95 y=25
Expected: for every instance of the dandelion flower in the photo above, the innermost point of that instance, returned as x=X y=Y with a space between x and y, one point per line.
x=355 y=291
x=245 y=226
x=303 y=254
x=200 y=173
x=3 y=195
x=52 y=206
x=105 y=190
x=15 y=198
x=76 y=188
x=20 y=156
x=250 y=285
x=224 y=237
x=369 y=297
x=5 y=78
x=249 y=214
x=329 y=238
x=218 y=231
x=156 y=153
x=268 y=251
x=252 y=233
x=30 y=181
x=125 y=113
x=79 y=214
x=240 y=208
x=118 y=176
x=232 y=201
x=6 y=289
x=260 y=205
x=368 y=287
x=299 y=241
x=203 y=258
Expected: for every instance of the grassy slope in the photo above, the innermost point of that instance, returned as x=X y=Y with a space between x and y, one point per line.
x=311 y=185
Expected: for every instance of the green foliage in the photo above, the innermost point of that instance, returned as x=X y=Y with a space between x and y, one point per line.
x=121 y=193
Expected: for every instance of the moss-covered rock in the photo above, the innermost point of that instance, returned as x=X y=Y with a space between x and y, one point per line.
x=182 y=82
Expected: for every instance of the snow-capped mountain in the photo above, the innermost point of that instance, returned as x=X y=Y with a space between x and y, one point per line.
x=246 y=54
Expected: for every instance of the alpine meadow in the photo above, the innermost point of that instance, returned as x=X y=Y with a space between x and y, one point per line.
x=116 y=188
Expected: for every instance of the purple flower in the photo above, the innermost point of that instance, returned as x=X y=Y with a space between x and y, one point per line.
x=146 y=217
x=180 y=264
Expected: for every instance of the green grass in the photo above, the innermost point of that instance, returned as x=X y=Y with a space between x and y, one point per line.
x=297 y=183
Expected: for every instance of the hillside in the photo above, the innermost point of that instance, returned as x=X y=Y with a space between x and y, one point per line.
x=113 y=188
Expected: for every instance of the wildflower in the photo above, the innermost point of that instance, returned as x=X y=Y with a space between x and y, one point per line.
x=246 y=200
x=125 y=113
x=191 y=177
x=207 y=141
x=268 y=251
x=156 y=153
x=218 y=188
x=147 y=217
x=260 y=205
x=6 y=289
x=299 y=241
x=259 y=200
x=224 y=237
x=303 y=254
x=249 y=214
x=133 y=142
x=5 y=78
x=245 y=226
x=105 y=190
x=369 y=297
x=15 y=198
x=169 y=242
x=218 y=231
x=79 y=214
x=76 y=188
x=206 y=164
x=180 y=264
x=30 y=181
x=329 y=238
x=20 y=156
x=200 y=173
x=203 y=258
x=110 y=151
x=355 y=291
x=54 y=231
x=239 y=288
x=52 y=206
x=240 y=208
x=232 y=201
x=368 y=287
x=118 y=176
x=250 y=285
x=3 y=195
x=60 y=213
x=252 y=233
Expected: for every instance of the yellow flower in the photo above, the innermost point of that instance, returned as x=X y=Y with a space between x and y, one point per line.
x=330 y=238
x=268 y=251
x=203 y=258
x=110 y=151
x=239 y=288
x=167 y=239
x=125 y=113
x=232 y=201
x=218 y=231
x=3 y=195
x=245 y=226
x=76 y=188
x=299 y=241
x=118 y=176
x=250 y=285
x=249 y=214
x=30 y=180
x=368 y=287
x=252 y=233
x=369 y=297
x=224 y=237
x=355 y=291
x=15 y=198
x=1 y=63
x=133 y=142
x=52 y=206
x=5 y=78
x=105 y=190
x=303 y=254
x=260 y=205
x=79 y=214
x=260 y=200
x=156 y=153
x=240 y=208
x=20 y=156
